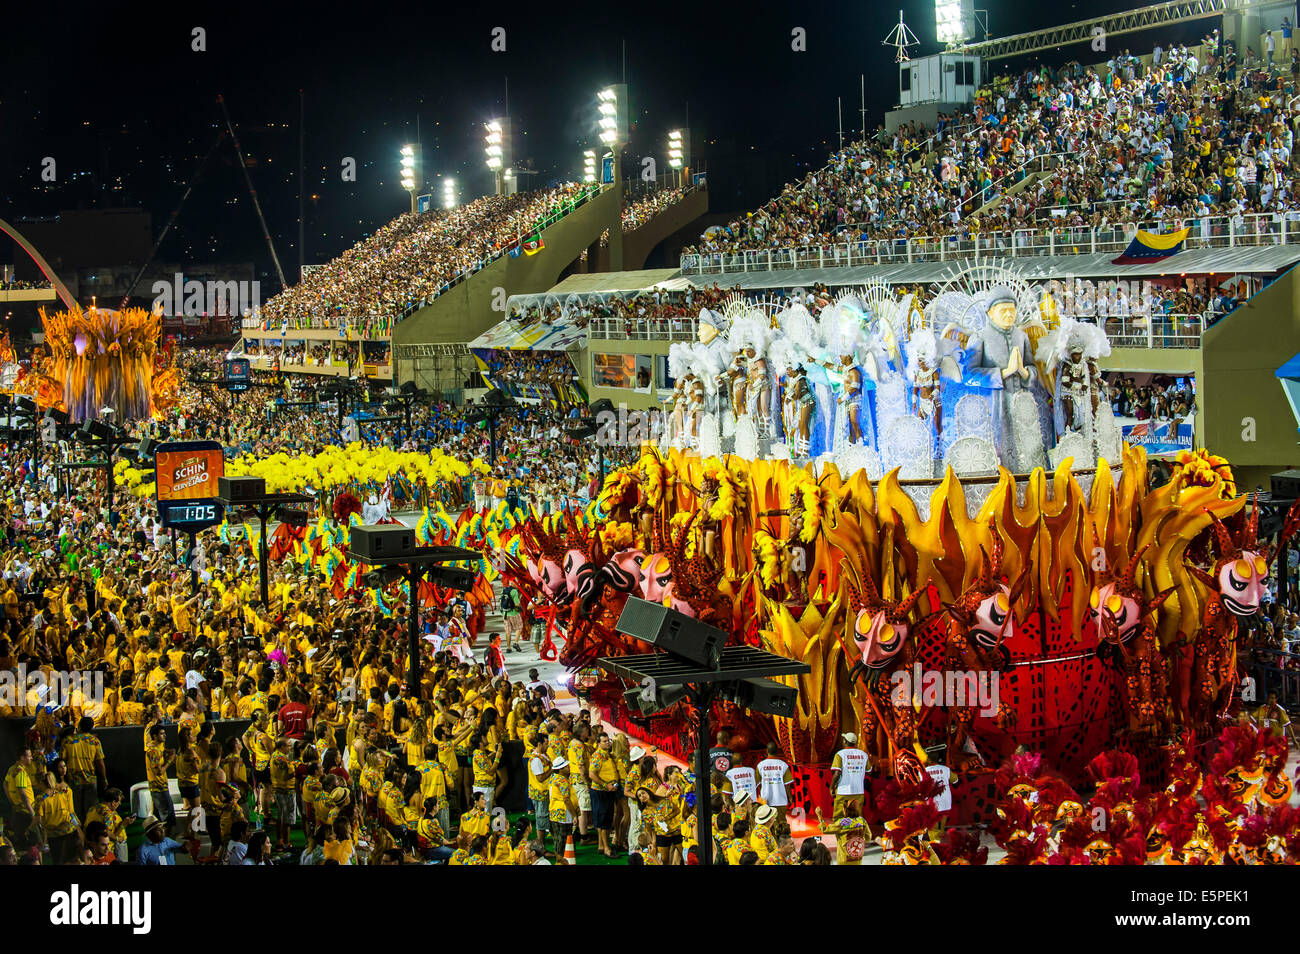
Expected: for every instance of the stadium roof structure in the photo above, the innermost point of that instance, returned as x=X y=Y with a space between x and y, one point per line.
x=1242 y=259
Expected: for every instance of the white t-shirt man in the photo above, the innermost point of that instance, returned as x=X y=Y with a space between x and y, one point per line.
x=943 y=775
x=852 y=764
x=743 y=779
x=772 y=775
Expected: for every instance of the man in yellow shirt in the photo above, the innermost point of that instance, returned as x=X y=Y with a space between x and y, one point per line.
x=283 y=769
x=433 y=784
x=107 y=811
x=85 y=760
x=578 y=768
x=20 y=792
x=157 y=759
x=562 y=806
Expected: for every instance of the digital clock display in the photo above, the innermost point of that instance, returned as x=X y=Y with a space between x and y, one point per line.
x=194 y=515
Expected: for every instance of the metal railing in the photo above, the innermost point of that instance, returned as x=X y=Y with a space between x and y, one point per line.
x=1211 y=232
x=1157 y=331
x=667 y=329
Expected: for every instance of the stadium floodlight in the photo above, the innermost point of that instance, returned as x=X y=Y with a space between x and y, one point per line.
x=675 y=153
x=611 y=115
x=954 y=20
x=448 y=193
x=497 y=151
x=589 y=166
x=493 y=148
x=410 y=164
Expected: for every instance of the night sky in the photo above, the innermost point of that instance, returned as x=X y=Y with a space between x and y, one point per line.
x=128 y=110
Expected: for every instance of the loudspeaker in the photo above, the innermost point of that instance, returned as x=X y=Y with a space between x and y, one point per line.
x=389 y=540
x=672 y=631
x=1285 y=484
x=453 y=577
x=238 y=489
x=293 y=517
x=763 y=695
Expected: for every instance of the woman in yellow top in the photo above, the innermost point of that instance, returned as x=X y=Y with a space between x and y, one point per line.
x=260 y=745
x=477 y=821
x=484 y=762
x=339 y=846
x=661 y=817
x=188 y=763
x=603 y=781
x=623 y=764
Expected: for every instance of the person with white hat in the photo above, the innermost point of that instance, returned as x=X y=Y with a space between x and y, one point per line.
x=635 y=759
x=741 y=778
x=563 y=805
x=849 y=775
x=761 y=839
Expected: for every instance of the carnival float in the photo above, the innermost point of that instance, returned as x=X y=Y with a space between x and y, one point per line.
x=932 y=508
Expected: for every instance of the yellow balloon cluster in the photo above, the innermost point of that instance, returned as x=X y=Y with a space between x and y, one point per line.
x=352 y=466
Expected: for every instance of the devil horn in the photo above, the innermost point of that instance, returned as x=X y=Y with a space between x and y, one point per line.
x=1226 y=546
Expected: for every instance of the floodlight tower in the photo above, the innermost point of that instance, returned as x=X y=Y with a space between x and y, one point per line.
x=611 y=119
x=679 y=152
x=589 y=166
x=498 y=152
x=449 y=193
x=411 y=171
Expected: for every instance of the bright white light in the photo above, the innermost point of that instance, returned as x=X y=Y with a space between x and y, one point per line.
x=675 y=136
x=607 y=137
x=494 y=126
x=606 y=95
x=408 y=162
x=494 y=162
x=606 y=109
x=950 y=21
x=408 y=150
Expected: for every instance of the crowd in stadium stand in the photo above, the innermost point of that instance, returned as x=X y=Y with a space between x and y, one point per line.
x=641 y=210
x=1158 y=401
x=22 y=284
x=415 y=257
x=530 y=367
x=1201 y=132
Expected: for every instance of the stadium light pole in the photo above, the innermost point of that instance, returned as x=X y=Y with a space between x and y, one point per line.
x=589 y=166
x=496 y=150
x=411 y=170
x=676 y=153
x=611 y=118
x=449 y=193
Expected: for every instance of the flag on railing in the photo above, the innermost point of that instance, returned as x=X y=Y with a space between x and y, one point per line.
x=1148 y=247
x=533 y=244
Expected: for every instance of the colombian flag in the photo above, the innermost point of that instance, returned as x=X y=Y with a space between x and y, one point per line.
x=1147 y=247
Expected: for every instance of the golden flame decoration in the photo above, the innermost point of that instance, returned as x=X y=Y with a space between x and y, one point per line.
x=1064 y=539
x=103 y=358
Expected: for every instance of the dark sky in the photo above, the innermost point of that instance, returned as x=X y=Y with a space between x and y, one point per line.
x=116 y=95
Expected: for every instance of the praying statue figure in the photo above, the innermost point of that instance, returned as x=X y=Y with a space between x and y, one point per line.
x=1001 y=356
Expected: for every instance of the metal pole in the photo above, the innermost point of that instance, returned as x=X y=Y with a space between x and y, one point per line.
x=264 y=513
x=302 y=133
x=194 y=574
x=703 y=809
x=413 y=574
x=257 y=206
x=839 y=114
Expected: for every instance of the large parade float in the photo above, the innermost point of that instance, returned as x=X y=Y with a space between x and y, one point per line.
x=931 y=507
